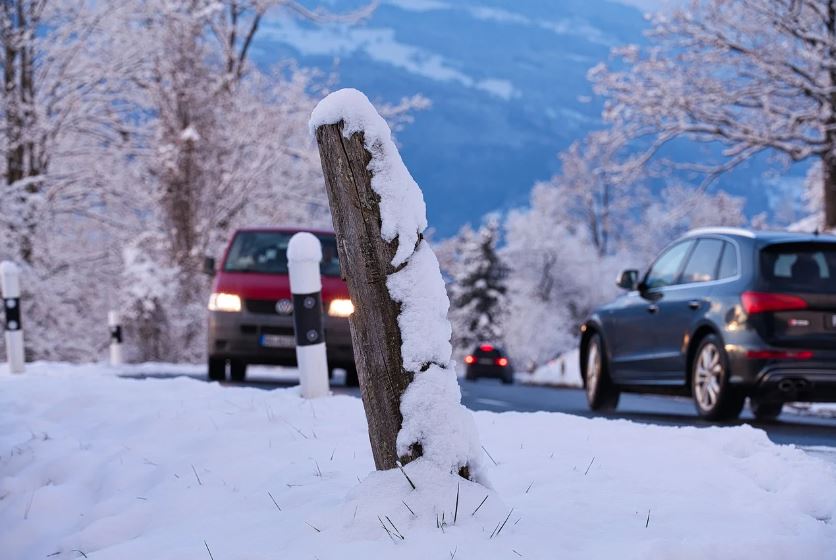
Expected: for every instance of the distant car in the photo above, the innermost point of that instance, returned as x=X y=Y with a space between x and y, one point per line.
x=488 y=360
x=251 y=309
x=721 y=315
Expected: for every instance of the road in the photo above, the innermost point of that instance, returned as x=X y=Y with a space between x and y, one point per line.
x=812 y=433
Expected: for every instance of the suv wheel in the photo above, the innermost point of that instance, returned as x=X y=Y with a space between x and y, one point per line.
x=217 y=369
x=237 y=370
x=714 y=397
x=601 y=394
x=765 y=410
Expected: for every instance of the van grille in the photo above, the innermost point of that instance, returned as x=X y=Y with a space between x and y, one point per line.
x=266 y=306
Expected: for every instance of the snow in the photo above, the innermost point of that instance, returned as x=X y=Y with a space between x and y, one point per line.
x=190 y=134
x=823 y=410
x=425 y=330
x=402 y=210
x=10 y=279
x=433 y=416
x=164 y=469
x=563 y=371
x=304 y=246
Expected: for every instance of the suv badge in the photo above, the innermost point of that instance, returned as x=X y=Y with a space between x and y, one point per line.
x=284 y=307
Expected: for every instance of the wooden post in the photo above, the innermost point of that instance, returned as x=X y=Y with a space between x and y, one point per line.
x=365 y=259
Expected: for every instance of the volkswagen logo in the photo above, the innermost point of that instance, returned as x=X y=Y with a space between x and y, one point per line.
x=284 y=307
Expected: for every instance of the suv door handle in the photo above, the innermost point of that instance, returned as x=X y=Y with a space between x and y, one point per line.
x=694 y=304
x=652 y=308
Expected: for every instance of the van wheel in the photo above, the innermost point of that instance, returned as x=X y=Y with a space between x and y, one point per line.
x=217 y=369
x=601 y=393
x=714 y=397
x=237 y=370
x=765 y=411
x=351 y=379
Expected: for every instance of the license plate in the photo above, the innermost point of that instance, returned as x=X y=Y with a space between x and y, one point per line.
x=486 y=361
x=277 y=341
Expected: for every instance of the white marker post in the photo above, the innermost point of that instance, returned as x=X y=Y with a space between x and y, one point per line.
x=10 y=279
x=304 y=253
x=114 y=323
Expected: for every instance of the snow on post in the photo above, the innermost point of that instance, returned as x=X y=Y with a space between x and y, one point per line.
x=114 y=324
x=10 y=279
x=304 y=253
x=399 y=328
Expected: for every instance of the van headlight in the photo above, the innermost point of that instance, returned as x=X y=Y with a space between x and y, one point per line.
x=220 y=301
x=340 y=308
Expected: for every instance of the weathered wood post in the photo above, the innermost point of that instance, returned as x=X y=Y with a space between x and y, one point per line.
x=399 y=327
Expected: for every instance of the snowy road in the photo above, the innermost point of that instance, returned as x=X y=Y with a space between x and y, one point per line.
x=815 y=434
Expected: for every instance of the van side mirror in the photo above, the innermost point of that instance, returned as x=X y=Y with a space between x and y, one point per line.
x=628 y=279
x=209 y=266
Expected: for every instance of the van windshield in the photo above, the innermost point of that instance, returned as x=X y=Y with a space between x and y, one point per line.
x=266 y=252
x=799 y=267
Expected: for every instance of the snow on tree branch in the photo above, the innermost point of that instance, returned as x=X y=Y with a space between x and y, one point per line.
x=753 y=75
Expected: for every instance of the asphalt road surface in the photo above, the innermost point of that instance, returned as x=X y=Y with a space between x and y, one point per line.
x=813 y=433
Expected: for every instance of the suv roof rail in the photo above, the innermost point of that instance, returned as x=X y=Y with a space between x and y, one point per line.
x=723 y=230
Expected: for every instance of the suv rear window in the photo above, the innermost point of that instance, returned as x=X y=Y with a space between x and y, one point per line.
x=266 y=252
x=799 y=267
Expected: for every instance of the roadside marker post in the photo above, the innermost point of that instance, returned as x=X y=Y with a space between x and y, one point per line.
x=114 y=323
x=10 y=280
x=304 y=253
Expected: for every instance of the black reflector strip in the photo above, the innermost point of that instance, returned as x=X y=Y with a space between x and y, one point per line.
x=12 y=307
x=307 y=319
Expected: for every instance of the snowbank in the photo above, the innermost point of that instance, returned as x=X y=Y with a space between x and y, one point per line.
x=164 y=469
x=564 y=371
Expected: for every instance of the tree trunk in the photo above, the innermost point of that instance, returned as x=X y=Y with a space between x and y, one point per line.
x=828 y=163
x=365 y=259
x=829 y=184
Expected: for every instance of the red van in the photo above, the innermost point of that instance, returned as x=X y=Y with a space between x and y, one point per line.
x=251 y=310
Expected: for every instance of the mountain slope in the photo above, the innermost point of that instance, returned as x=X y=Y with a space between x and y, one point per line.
x=507 y=82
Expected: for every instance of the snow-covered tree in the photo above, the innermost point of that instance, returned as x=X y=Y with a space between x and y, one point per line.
x=554 y=279
x=596 y=189
x=674 y=211
x=226 y=145
x=748 y=75
x=64 y=163
x=478 y=290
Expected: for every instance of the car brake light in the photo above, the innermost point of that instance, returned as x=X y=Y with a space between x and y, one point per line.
x=502 y=362
x=779 y=355
x=469 y=359
x=761 y=302
x=486 y=348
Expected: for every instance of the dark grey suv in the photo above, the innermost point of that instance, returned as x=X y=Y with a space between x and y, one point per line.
x=721 y=315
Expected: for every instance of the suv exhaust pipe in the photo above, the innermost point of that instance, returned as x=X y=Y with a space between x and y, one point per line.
x=793 y=385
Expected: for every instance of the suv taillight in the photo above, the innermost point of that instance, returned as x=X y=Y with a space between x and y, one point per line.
x=762 y=302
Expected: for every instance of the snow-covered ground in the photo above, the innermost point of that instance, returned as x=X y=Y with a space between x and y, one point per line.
x=181 y=469
x=563 y=371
